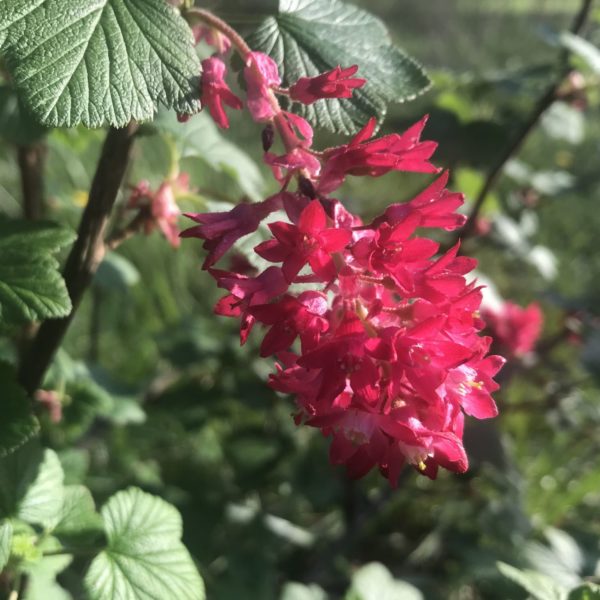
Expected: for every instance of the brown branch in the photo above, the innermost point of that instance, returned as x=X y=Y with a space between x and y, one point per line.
x=86 y=254
x=32 y=160
x=543 y=103
x=116 y=238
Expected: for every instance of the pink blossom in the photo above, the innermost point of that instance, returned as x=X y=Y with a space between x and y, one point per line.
x=337 y=83
x=213 y=37
x=220 y=230
x=311 y=241
x=50 y=400
x=261 y=74
x=376 y=333
x=159 y=209
x=515 y=328
x=393 y=152
x=215 y=91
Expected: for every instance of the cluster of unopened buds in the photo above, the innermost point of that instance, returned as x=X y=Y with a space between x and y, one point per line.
x=374 y=332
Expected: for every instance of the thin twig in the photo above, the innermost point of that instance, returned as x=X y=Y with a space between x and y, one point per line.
x=544 y=102
x=86 y=254
x=213 y=21
x=116 y=238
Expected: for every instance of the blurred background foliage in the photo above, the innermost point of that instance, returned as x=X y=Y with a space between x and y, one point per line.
x=157 y=392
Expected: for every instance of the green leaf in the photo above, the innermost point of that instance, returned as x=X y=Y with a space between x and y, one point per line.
x=307 y=37
x=31 y=287
x=78 y=522
x=116 y=273
x=145 y=558
x=540 y=586
x=221 y=161
x=6 y=531
x=18 y=424
x=31 y=485
x=588 y=591
x=42 y=573
x=99 y=62
x=374 y=582
x=583 y=49
x=298 y=591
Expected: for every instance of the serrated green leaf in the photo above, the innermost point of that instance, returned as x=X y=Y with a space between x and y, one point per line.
x=31 y=485
x=99 y=62
x=588 y=591
x=145 y=558
x=307 y=37
x=78 y=522
x=31 y=287
x=540 y=586
x=6 y=531
x=18 y=423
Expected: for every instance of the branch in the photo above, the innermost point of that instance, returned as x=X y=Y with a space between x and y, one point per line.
x=86 y=254
x=32 y=159
x=544 y=102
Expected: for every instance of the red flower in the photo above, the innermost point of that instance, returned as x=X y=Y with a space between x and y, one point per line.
x=308 y=242
x=215 y=91
x=389 y=358
x=220 y=230
x=292 y=317
x=517 y=329
x=377 y=157
x=337 y=83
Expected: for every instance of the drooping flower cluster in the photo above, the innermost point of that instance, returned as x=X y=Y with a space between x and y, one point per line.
x=374 y=333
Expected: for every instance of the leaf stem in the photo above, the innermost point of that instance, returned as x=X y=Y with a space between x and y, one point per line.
x=213 y=21
x=86 y=254
x=544 y=102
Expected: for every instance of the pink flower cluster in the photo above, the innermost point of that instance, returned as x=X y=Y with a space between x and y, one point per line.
x=158 y=209
x=374 y=333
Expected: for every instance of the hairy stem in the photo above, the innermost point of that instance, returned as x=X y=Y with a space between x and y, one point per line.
x=544 y=102
x=86 y=254
x=213 y=21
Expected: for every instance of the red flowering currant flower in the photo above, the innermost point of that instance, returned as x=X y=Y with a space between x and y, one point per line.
x=213 y=37
x=311 y=241
x=220 y=230
x=515 y=328
x=337 y=83
x=159 y=209
x=377 y=157
x=382 y=351
x=291 y=317
x=261 y=74
x=215 y=92
x=247 y=292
